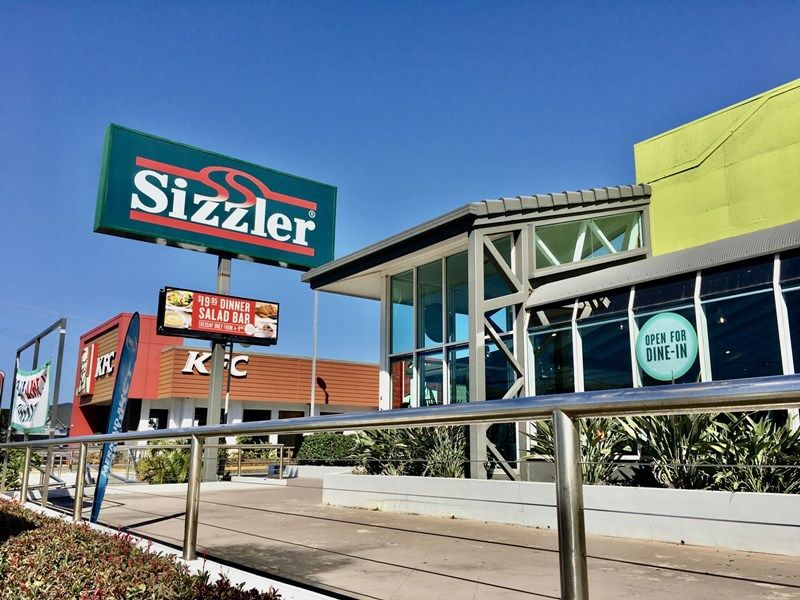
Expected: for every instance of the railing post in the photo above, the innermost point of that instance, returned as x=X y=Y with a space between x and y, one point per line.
x=569 y=507
x=239 y=469
x=26 y=471
x=80 y=475
x=193 y=499
x=48 y=471
x=280 y=463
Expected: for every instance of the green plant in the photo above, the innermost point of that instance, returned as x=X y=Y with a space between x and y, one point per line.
x=603 y=444
x=326 y=449
x=430 y=451
x=164 y=465
x=16 y=459
x=42 y=558
x=447 y=454
x=678 y=447
x=265 y=453
x=749 y=450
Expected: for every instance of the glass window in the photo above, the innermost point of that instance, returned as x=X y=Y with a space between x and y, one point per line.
x=790 y=267
x=502 y=319
x=551 y=315
x=457 y=298
x=552 y=360
x=429 y=308
x=737 y=278
x=495 y=283
x=792 y=299
x=667 y=295
x=431 y=369
x=402 y=375
x=458 y=365
x=743 y=336
x=665 y=291
x=402 y=318
x=603 y=305
x=585 y=239
x=500 y=375
x=742 y=327
x=603 y=327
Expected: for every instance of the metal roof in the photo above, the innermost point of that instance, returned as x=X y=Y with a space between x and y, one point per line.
x=712 y=254
x=460 y=221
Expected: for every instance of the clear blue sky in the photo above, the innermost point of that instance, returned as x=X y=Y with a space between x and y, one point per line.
x=410 y=108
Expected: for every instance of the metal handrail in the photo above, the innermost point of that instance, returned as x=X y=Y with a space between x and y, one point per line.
x=781 y=391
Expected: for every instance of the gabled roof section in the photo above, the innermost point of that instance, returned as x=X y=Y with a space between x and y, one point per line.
x=547 y=202
x=359 y=273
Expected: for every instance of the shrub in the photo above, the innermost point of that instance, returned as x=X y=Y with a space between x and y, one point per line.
x=757 y=444
x=677 y=447
x=265 y=453
x=429 y=451
x=326 y=449
x=603 y=443
x=164 y=465
x=16 y=458
x=42 y=558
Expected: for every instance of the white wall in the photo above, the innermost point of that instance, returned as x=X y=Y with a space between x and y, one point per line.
x=741 y=521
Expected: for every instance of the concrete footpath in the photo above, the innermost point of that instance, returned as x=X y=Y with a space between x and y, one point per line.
x=286 y=531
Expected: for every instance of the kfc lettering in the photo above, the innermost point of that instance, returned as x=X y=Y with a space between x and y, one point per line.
x=196 y=363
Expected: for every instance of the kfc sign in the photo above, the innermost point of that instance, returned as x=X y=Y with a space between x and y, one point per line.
x=197 y=362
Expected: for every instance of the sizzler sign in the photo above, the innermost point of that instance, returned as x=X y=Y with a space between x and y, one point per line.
x=169 y=193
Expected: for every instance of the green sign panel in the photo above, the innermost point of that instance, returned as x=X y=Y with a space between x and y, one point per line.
x=666 y=346
x=160 y=191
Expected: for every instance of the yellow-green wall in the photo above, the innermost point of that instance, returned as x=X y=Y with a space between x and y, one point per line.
x=732 y=172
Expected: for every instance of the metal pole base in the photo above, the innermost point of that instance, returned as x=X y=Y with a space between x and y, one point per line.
x=193 y=499
x=569 y=506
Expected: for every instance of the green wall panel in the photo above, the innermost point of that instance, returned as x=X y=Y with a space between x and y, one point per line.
x=726 y=174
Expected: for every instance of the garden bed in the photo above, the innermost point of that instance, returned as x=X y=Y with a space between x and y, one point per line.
x=45 y=558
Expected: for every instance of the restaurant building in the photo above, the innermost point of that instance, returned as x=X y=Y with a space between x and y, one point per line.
x=541 y=294
x=170 y=385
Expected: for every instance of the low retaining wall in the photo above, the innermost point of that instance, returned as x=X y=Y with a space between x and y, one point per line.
x=734 y=520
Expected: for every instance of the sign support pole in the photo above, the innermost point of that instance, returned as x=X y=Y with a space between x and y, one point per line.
x=48 y=468
x=217 y=373
x=314 y=354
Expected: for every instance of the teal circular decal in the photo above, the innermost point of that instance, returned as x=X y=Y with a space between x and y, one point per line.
x=666 y=346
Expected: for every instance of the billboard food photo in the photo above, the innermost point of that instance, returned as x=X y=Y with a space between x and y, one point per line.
x=190 y=313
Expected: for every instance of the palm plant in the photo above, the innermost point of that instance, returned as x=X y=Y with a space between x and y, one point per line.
x=675 y=444
x=603 y=444
x=755 y=446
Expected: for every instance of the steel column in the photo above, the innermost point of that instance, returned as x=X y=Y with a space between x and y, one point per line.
x=193 y=499
x=477 y=352
x=26 y=471
x=569 y=505
x=77 y=511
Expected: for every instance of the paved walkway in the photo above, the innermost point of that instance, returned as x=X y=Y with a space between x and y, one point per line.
x=368 y=554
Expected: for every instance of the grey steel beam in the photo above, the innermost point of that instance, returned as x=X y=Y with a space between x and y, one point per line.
x=477 y=352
